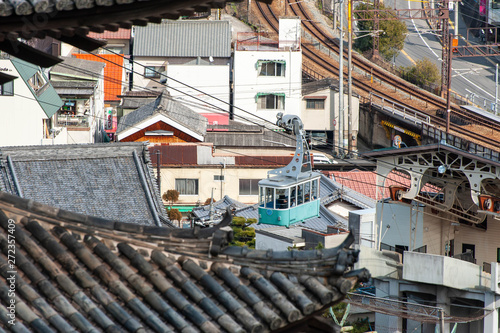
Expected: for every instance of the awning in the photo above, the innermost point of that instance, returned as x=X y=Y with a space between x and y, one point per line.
x=315 y=97
x=267 y=94
x=182 y=209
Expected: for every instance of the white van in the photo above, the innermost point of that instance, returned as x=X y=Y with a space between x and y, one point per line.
x=322 y=159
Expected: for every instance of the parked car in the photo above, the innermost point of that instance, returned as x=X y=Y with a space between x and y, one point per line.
x=319 y=158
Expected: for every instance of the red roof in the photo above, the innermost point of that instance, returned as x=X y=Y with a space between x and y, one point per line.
x=365 y=182
x=120 y=34
x=216 y=118
x=113 y=73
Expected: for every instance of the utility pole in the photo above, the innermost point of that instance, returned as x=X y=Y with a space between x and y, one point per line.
x=456 y=18
x=447 y=48
x=496 y=89
x=349 y=78
x=158 y=179
x=341 y=81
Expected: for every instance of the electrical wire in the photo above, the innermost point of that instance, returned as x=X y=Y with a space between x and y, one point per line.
x=216 y=107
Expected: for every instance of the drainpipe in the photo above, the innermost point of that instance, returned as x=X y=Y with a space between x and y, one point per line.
x=146 y=189
x=14 y=177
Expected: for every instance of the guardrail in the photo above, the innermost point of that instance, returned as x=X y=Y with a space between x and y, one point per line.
x=431 y=134
x=72 y=121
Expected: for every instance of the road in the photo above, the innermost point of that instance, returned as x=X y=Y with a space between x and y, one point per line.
x=472 y=78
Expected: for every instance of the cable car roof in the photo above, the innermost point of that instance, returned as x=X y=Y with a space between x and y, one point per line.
x=285 y=181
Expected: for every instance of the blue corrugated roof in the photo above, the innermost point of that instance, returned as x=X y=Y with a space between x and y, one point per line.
x=184 y=39
x=49 y=100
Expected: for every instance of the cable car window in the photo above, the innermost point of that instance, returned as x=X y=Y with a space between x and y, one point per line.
x=282 y=198
x=262 y=191
x=307 y=192
x=293 y=196
x=300 y=194
x=314 y=191
x=269 y=197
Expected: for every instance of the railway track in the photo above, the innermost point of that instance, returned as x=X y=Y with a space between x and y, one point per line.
x=426 y=102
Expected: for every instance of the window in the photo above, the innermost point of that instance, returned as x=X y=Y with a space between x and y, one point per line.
x=249 y=186
x=271 y=68
x=7 y=89
x=153 y=71
x=315 y=104
x=186 y=186
x=37 y=82
x=271 y=101
x=219 y=178
x=498 y=254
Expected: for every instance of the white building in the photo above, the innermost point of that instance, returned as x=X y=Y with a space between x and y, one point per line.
x=321 y=114
x=268 y=73
x=191 y=58
x=27 y=105
x=80 y=84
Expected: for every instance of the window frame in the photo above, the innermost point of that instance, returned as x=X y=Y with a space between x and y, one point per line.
x=155 y=71
x=3 y=91
x=181 y=187
x=220 y=178
x=263 y=99
x=250 y=183
x=315 y=101
x=272 y=68
x=38 y=83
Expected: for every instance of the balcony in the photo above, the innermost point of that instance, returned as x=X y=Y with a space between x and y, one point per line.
x=444 y=271
x=72 y=121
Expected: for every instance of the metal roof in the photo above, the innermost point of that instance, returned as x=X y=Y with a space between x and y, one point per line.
x=184 y=39
x=48 y=98
x=285 y=181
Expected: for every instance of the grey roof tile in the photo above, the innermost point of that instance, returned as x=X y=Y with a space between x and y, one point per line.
x=184 y=39
x=168 y=107
x=95 y=278
x=94 y=180
x=78 y=68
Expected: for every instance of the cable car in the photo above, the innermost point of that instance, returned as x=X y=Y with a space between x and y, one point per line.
x=290 y=194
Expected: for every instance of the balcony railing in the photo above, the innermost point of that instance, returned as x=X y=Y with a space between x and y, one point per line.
x=72 y=121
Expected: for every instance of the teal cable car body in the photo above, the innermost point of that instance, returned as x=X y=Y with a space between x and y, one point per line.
x=290 y=194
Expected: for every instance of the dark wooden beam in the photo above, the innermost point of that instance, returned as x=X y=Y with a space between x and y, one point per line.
x=29 y=54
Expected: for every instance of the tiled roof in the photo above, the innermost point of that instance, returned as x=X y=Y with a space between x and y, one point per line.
x=219 y=208
x=184 y=39
x=236 y=135
x=314 y=86
x=72 y=273
x=113 y=73
x=120 y=34
x=332 y=190
x=169 y=107
x=74 y=87
x=79 y=68
x=365 y=182
x=107 y=180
